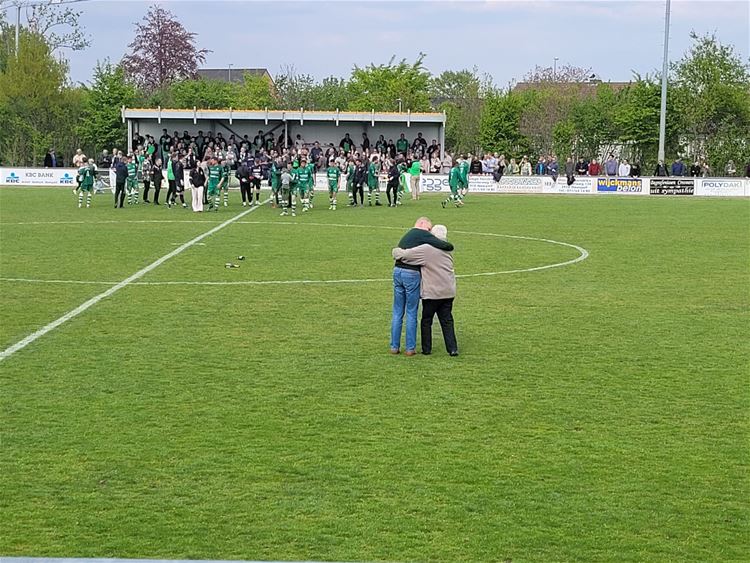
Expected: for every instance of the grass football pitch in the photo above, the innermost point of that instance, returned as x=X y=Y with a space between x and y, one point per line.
x=598 y=411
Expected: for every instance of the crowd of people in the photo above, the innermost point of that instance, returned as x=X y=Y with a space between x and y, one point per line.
x=206 y=164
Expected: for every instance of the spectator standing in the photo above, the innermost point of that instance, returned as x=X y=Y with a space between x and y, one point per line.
x=553 y=169
x=730 y=169
x=433 y=149
x=747 y=170
x=594 y=168
x=50 y=159
x=695 y=169
x=365 y=143
x=623 y=170
x=79 y=159
x=705 y=168
x=146 y=167
x=419 y=146
x=582 y=167
x=402 y=145
x=346 y=144
x=414 y=172
x=540 y=169
x=678 y=168
x=476 y=165
x=525 y=166
x=611 y=166
x=570 y=170
x=635 y=170
x=446 y=164
x=661 y=169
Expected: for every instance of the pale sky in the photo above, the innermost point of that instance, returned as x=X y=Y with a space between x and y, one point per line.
x=502 y=38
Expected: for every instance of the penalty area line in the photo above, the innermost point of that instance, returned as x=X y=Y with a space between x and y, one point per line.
x=115 y=288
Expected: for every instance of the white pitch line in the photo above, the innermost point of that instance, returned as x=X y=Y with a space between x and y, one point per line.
x=127 y=281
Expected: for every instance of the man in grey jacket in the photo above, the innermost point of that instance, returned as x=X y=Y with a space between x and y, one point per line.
x=438 y=288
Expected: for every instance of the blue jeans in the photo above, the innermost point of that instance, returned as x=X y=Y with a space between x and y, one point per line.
x=405 y=299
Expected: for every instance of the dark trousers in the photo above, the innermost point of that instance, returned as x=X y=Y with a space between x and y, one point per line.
x=157 y=189
x=359 y=189
x=146 y=187
x=444 y=310
x=119 y=193
x=391 y=188
x=246 y=191
x=172 y=191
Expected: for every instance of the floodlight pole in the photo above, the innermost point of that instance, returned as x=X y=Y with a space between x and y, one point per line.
x=664 y=70
x=18 y=25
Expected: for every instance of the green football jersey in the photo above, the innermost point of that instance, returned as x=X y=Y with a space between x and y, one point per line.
x=305 y=176
x=454 y=178
x=402 y=145
x=132 y=170
x=215 y=174
x=464 y=169
x=333 y=173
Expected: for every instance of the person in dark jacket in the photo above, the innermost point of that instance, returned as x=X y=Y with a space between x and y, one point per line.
x=661 y=169
x=570 y=171
x=695 y=169
x=635 y=170
x=243 y=175
x=394 y=176
x=678 y=168
x=121 y=176
x=51 y=160
x=157 y=177
x=179 y=180
x=360 y=178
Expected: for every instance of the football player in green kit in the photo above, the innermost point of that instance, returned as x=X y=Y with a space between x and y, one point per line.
x=275 y=181
x=463 y=179
x=333 y=174
x=86 y=174
x=132 y=181
x=215 y=174
x=224 y=184
x=454 y=181
x=402 y=183
x=305 y=181
x=373 y=181
x=350 y=168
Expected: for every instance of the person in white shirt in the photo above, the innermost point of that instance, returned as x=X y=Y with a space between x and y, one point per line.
x=624 y=170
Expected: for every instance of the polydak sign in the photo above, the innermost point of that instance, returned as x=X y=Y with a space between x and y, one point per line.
x=64 y=177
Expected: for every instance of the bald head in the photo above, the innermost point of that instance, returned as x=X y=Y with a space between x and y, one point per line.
x=423 y=223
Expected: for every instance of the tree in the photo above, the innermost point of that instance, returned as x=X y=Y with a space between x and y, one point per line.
x=102 y=125
x=566 y=73
x=712 y=101
x=207 y=94
x=255 y=92
x=48 y=18
x=162 y=52
x=35 y=103
x=500 y=124
x=460 y=94
x=380 y=87
x=330 y=94
x=294 y=89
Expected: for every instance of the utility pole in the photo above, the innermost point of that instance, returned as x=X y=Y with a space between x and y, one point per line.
x=554 y=69
x=230 y=72
x=664 y=70
x=18 y=25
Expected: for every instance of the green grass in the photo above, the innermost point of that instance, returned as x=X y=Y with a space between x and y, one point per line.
x=597 y=412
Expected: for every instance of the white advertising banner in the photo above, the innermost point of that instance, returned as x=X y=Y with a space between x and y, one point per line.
x=721 y=187
x=483 y=183
x=581 y=185
x=65 y=177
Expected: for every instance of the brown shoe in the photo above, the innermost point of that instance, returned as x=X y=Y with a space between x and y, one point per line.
x=410 y=353
x=396 y=351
